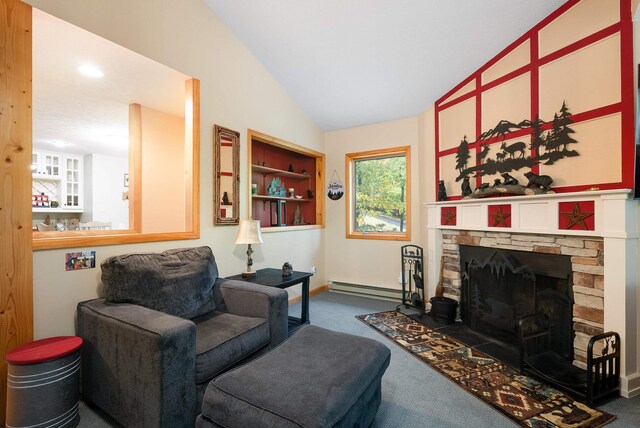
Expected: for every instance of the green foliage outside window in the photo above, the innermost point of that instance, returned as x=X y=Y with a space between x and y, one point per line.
x=379 y=197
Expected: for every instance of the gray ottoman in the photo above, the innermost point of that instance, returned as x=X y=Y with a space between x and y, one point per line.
x=317 y=378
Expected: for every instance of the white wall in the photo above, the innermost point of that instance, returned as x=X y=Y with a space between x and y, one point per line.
x=236 y=92
x=367 y=261
x=104 y=185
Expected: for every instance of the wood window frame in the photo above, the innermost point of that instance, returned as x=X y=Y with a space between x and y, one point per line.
x=350 y=159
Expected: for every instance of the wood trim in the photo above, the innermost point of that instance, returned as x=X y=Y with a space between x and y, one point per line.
x=71 y=239
x=192 y=156
x=274 y=141
x=16 y=259
x=374 y=154
x=312 y=292
x=320 y=186
x=135 y=166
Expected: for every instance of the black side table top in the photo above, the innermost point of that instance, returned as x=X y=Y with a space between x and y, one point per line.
x=273 y=278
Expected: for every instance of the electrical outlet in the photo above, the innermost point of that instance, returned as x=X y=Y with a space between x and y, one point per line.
x=313 y=269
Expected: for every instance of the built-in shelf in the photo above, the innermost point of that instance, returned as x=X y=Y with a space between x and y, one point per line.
x=279 y=198
x=46 y=177
x=275 y=171
x=272 y=159
x=55 y=210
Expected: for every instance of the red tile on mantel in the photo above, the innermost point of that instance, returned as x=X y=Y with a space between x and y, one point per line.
x=499 y=215
x=576 y=215
x=448 y=216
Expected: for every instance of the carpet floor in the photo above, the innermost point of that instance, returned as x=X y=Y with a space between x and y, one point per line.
x=413 y=394
x=525 y=400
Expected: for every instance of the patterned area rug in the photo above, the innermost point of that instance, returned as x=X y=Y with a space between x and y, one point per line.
x=523 y=399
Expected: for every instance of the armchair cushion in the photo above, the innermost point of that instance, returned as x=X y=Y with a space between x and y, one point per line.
x=224 y=339
x=177 y=282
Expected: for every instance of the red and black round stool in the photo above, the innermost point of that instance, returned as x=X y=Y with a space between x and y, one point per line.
x=42 y=383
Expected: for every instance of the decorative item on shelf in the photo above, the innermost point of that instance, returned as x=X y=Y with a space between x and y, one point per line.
x=40 y=201
x=540 y=181
x=73 y=223
x=310 y=194
x=287 y=269
x=538 y=184
x=335 y=189
x=292 y=192
x=304 y=171
x=290 y=169
x=249 y=233
x=442 y=191
x=55 y=204
x=276 y=188
x=509 y=180
x=278 y=213
x=254 y=189
x=298 y=218
x=225 y=198
x=466 y=187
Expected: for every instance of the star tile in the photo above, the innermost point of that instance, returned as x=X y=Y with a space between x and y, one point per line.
x=448 y=216
x=499 y=215
x=576 y=215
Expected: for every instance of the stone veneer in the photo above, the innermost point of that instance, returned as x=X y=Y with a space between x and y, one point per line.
x=587 y=264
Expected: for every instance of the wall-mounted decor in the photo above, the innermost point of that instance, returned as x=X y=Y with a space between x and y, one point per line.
x=576 y=215
x=557 y=102
x=335 y=189
x=448 y=216
x=83 y=260
x=499 y=215
x=545 y=147
x=226 y=186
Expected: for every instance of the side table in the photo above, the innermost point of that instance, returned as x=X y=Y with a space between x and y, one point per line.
x=273 y=278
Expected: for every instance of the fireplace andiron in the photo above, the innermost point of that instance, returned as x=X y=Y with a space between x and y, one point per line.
x=600 y=382
x=412 y=278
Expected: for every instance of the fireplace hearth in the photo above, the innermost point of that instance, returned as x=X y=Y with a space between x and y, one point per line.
x=501 y=286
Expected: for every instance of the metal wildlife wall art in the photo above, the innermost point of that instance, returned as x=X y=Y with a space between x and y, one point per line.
x=549 y=142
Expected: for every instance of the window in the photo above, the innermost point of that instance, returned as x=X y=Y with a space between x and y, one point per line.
x=378 y=194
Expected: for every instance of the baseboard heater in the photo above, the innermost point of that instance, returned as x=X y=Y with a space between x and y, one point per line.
x=366 y=290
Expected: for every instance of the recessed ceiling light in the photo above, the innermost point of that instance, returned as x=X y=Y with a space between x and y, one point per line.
x=90 y=70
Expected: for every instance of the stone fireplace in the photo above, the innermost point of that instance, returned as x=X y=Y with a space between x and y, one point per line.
x=522 y=274
x=601 y=281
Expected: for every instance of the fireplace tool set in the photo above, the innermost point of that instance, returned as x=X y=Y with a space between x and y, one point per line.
x=413 y=293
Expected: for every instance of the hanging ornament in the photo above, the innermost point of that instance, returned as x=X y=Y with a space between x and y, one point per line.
x=335 y=189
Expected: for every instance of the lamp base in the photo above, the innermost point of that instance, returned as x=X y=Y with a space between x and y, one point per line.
x=248 y=274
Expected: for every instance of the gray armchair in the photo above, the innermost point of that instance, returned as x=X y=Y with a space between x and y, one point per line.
x=166 y=327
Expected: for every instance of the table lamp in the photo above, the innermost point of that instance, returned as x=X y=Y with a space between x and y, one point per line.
x=249 y=233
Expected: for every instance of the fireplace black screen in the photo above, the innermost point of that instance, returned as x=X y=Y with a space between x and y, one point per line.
x=501 y=286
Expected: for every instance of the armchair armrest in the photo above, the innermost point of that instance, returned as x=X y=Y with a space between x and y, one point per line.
x=138 y=364
x=254 y=300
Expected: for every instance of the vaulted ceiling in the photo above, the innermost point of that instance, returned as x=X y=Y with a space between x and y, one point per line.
x=355 y=62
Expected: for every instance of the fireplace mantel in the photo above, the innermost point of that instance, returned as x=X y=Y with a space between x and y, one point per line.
x=539 y=213
x=615 y=216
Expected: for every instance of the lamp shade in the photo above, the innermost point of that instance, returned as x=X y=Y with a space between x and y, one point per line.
x=249 y=232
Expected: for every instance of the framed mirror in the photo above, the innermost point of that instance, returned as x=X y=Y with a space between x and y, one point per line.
x=226 y=186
